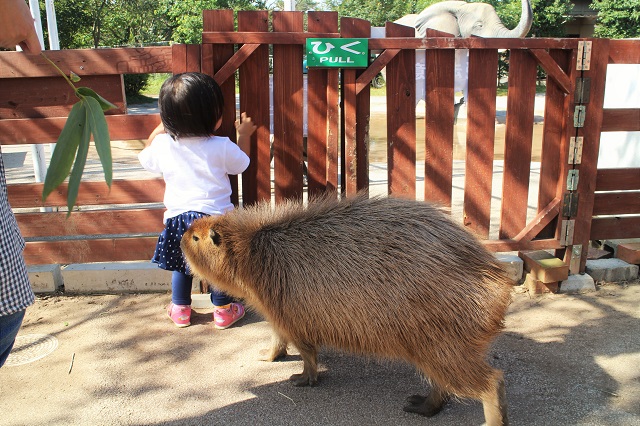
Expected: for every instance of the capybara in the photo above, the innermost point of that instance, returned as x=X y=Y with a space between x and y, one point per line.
x=381 y=276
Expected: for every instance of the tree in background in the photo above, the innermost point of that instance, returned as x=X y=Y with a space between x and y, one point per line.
x=617 y=18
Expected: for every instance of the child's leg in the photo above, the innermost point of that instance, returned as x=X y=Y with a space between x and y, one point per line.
x=180 y=308
x=181 y=288
x=225 y=312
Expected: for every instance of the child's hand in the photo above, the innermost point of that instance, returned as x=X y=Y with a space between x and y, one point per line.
x=245 y=126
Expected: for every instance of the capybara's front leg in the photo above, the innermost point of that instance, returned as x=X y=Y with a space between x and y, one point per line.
x=277 y=350
x=309 y=375
x=429 y=405
x=494 y=405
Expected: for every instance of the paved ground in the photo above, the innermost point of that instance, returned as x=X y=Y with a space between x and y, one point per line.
x=568 y=360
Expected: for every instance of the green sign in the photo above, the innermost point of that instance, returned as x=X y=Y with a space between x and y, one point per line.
x=338 y=52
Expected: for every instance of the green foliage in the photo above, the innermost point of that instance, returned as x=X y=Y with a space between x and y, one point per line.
x=377 y=11
x=617 y=18
x=85 y=119
x=135 y=83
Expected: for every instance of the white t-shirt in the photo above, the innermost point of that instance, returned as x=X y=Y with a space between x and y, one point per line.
x=196 y=172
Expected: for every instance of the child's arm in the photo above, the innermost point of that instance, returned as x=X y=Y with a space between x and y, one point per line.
x=245 y=129
x=159 y=129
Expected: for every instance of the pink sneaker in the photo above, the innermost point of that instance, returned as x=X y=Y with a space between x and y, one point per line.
x=180 y=314
x=226 y=316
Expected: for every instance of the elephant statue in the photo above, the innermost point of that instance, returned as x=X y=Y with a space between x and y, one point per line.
x=462 y=19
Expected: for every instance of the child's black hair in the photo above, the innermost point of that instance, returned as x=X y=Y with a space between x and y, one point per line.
x=190 y=105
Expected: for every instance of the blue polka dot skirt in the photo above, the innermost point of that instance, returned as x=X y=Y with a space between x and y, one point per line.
x=168 y=254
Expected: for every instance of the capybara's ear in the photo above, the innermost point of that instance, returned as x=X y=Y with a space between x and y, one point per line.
x=215 y=237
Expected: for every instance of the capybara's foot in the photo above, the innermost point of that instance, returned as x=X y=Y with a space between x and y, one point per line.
x=273 y=354
x=422 y=405
x=303 y=379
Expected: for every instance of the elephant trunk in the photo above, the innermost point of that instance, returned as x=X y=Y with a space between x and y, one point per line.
x=524 y=25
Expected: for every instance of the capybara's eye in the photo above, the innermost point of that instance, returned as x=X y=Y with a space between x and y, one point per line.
x=195 y=238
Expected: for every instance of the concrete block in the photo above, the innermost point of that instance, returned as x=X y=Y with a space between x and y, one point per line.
x=513 y=265
x=115 y=277
x=44 y=278
x=544 y=266
x=537 y=287
x=578 y=283
x=612 y=270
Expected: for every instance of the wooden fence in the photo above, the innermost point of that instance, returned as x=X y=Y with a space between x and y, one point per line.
x=338 y=104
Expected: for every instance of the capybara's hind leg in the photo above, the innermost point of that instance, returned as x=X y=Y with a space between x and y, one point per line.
x=429 y=405
x=277 y=350
x=309 y=375
x=494 y=404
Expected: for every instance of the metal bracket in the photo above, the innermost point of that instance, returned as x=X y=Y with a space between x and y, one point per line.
x=570 y=204
x=583 y=90
x=584 y=55
x=575 y=149
x=578 y=115
x=574 y=263
x=572 y=180
x=566 y=234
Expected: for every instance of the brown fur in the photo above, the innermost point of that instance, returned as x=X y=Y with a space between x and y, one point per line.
x=386 y=277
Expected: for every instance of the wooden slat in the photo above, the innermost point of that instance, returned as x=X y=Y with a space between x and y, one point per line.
x=611 y=203
x=518 y=143
x=86 y=62
x=621 y=120
x=222 y=20
x=374 y=68
x=85 y=251
x=513 y=245
x=615 y=228
x=318 y=106
x=29 y=195
x=401 y=118
x=333 y=135
x=99 y=222
x=438 y=123
x=54 y=97
x=624 y=52
x=232 y=65
x=481 y=113
x=254 y=100
x=590 y=150
x=288 y=109
x=555 y=138
x=349 y=171
x=46 y=130
x=618 y=179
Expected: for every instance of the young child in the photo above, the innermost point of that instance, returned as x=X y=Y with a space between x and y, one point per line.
x=195 y=166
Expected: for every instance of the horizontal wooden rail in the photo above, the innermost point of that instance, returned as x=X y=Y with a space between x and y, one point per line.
x=46 y=130
x=620 y=120
x=84 y=251
x=81 y=223
x=83 y=62
x=624 y=52
x=29 y=195
x=615 y=227
x=627 y=179
x=612 y=203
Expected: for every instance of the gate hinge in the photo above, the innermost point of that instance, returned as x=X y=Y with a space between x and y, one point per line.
x=566 y=234
x=584 y=55
x=570 y=204
x=575 y=149
x=578 y=115
x=572 y=180
x=583 y=90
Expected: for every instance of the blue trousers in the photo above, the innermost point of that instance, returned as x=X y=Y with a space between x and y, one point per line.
x=181 y=291
x=9 y=326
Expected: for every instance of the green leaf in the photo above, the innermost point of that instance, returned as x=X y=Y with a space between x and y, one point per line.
x=78 y=166
x=65 y=150
x=74 y=77
x=98 y=126
x=104 y=104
